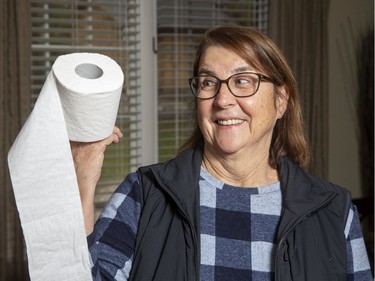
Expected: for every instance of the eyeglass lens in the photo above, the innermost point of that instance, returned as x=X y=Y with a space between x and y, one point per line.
x=241 y=85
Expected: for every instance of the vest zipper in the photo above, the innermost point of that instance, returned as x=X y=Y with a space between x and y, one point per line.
x=283 y=238
x=194 y=238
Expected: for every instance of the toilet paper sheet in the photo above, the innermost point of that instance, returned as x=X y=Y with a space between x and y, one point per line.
x=79 y=101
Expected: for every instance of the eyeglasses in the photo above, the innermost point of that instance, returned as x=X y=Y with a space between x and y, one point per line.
x=244 y=84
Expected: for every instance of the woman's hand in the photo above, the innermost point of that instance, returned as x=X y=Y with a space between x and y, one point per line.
x=88 y=162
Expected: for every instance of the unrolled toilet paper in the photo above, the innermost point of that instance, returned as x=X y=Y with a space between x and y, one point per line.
x=79 y=101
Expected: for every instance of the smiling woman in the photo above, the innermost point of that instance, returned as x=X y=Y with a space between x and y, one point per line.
x=261 y=55
x=234 y=126
x=235 y=202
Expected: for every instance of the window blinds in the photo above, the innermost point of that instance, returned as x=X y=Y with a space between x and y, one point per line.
x=112 y=27
x=109 y=27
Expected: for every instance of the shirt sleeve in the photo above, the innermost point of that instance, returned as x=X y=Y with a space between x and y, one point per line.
x=358 y=266
x=111 y=244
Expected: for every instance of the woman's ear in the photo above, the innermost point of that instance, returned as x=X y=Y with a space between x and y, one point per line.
x=282 y=98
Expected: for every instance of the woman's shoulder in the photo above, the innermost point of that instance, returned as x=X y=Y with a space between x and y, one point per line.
x=302 y=182
x=130 y=181
x=290 y=170
x=127 y=191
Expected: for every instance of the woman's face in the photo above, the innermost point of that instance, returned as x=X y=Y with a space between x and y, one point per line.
x=232 y=125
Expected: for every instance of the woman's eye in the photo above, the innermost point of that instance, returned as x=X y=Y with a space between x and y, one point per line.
x=206 y=83
x=245 y=81
x=242 y=80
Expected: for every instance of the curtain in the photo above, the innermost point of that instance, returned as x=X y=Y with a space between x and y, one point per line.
x=300 y=29
x=14 y=108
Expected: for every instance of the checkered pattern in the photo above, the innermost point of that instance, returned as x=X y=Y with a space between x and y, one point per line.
x=112 y=243
x=238 y=228
x=358 y=267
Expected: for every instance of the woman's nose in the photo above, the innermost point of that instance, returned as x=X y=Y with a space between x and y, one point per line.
x=224 y=97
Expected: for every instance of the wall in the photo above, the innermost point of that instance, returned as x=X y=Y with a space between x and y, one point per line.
x=347 y=20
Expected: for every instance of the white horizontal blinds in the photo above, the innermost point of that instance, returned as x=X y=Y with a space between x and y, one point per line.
x=180 y=25
x=109 y=27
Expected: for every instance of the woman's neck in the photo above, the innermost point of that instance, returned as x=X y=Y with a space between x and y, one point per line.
x=241 y=170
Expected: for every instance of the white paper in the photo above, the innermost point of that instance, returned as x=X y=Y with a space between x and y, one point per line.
x=41 y=165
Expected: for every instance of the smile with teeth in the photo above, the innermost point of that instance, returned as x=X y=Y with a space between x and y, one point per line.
x=230 y=122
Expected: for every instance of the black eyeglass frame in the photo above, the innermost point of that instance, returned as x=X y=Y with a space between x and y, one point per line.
x=261 y=77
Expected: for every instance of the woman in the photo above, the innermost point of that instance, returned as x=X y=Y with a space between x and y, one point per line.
x=235 y=203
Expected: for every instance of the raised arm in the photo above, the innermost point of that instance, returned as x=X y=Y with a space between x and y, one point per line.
x=88 y=161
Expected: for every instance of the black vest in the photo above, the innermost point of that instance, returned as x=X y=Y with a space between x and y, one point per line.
x=311 y=243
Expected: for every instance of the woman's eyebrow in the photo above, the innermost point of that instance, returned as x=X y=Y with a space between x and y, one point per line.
x=243 y=68
x=206 y=71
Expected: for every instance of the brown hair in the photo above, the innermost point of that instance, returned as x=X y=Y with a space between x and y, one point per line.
x=260 y=52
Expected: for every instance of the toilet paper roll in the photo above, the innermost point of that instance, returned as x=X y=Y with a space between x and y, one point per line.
x=79 y=101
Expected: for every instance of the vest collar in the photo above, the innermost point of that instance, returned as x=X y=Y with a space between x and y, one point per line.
x=302 y=194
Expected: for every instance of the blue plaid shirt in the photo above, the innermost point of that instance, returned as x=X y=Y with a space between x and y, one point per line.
x=238 y=232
